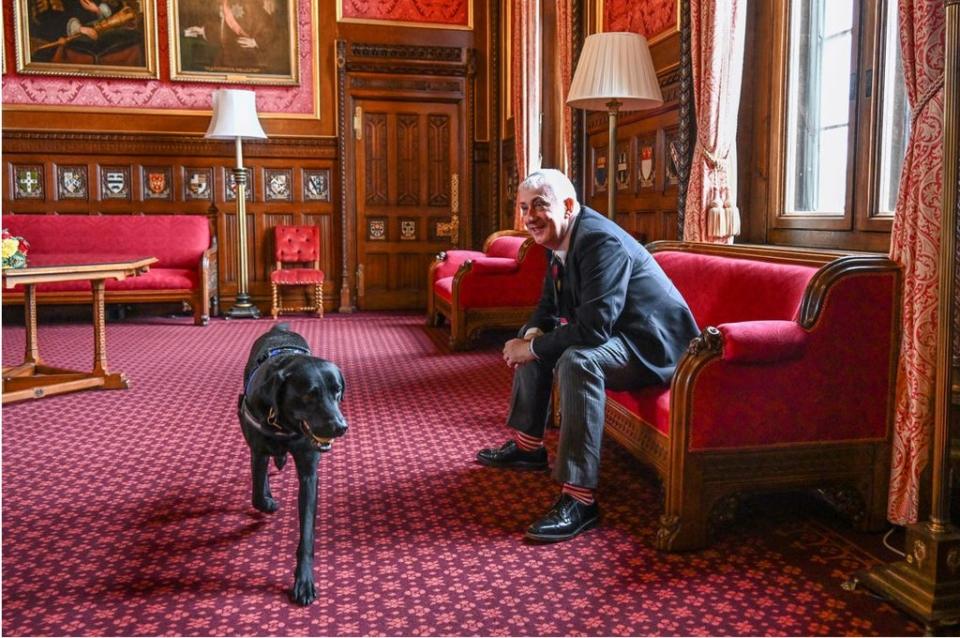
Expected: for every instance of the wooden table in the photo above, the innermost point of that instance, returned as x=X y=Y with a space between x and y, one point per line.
x=33 y=379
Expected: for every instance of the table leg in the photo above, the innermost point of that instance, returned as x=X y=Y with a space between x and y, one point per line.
x=99 y=329
x=32 y=350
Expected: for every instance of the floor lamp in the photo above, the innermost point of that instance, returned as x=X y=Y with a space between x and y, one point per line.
x=615 y=73
x=926 y=584
x=235 y=117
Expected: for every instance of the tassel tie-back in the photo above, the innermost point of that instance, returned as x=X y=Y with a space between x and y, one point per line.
x=921 y=104
x=723 y=216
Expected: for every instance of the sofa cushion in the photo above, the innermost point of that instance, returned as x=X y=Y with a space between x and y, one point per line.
x=726 y=290
x=493 y=291
x=297 y=276
x=651 y=404
x=177 y=241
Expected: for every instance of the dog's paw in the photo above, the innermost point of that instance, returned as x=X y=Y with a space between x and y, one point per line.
x=268 y=505
x=303 y=592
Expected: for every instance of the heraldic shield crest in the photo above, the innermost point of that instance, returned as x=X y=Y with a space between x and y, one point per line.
x=72 y=183
x=29 y=182
x=600 y=172
x=115 y=182
x=199 y=184
x=647 y=167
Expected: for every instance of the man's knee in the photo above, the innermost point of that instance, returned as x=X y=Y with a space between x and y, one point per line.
x=573 y=363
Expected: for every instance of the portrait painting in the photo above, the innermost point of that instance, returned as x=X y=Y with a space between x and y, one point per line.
x=93 y=38
x=234 y=41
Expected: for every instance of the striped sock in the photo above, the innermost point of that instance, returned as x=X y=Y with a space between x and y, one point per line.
x=582 y=494
x=527 y=443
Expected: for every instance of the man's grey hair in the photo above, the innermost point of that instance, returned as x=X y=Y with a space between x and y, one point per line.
x=550 y=180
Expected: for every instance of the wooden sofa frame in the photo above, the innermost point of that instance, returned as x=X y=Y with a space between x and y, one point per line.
x=701 y=486
x=465 y=325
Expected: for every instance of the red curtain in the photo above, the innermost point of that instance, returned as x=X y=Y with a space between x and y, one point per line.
x=525 y=89
x=564 y=51
x=915 y=245
x=717 y=28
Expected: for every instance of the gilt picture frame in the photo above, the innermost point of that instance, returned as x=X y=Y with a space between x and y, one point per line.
x=108 y=38
x=256 y=44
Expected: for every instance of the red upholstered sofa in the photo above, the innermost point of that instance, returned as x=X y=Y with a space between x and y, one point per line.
x=790 y=384
x=181 y=243
x=496 y=288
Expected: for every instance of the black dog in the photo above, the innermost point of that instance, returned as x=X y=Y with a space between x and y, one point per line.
x=291 y=403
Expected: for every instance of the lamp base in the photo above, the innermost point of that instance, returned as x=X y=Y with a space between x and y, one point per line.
x=243 y=308
x=926 y=584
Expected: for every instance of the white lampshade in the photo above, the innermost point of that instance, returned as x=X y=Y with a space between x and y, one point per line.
x=234 y=115
x=615 y=66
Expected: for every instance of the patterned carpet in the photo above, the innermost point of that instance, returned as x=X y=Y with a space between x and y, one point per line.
x=127 y=512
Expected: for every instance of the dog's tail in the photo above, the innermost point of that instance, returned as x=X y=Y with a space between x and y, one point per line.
x=280 y=461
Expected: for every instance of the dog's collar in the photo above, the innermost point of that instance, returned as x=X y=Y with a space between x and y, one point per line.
x=272 y=430
x=275 y=431
x=281 y=350
x=273 y=352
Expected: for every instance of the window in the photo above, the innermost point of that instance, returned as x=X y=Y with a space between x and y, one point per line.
x=836 y=124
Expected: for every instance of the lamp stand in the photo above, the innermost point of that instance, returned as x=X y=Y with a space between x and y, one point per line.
x=613 y=108
x=926 y=584
x=242 y=308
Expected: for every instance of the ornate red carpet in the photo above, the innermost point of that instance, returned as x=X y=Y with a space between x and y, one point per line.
x=127 y=512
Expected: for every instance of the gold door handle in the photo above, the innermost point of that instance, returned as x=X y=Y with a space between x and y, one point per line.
x=358 y=122
x=360 y=291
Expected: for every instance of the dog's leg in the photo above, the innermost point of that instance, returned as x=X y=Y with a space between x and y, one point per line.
x=304 y=592
x=262 y=498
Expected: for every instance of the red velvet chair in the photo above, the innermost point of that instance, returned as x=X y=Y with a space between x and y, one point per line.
x=496 y=288
x=789 y=386
x=298 y=246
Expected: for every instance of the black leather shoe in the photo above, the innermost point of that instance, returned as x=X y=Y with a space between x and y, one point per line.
x=510 y=456
x=568 y=518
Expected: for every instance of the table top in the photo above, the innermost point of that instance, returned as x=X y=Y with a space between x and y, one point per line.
x=77 y=267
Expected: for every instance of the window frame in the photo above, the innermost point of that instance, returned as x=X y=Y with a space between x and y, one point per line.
x=860 y=226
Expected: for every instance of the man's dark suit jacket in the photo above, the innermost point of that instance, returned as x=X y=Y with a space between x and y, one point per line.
x=612 y=286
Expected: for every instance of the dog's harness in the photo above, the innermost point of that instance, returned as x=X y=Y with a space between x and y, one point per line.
x=269 y=354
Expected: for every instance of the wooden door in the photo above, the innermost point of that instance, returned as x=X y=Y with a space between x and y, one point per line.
x=407 y=174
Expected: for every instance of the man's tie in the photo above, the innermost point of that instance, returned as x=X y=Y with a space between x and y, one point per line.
x=556 y=271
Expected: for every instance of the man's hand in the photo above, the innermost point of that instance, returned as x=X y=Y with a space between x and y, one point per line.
x=516 y=352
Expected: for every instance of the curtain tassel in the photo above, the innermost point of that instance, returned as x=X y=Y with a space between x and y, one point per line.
x=731 y=215
x=716 y=219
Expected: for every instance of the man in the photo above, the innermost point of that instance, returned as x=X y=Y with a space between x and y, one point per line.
x=608 y=317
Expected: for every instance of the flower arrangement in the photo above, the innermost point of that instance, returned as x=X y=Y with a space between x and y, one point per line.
x=14 y=250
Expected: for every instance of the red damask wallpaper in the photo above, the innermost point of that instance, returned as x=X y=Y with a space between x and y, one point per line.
x=653 y=19
x=452 y=13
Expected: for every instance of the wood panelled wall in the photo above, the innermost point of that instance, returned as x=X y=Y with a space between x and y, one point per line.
x=141 y=141
x=293 y=164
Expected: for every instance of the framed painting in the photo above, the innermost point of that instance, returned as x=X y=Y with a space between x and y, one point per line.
x=234 y=41
x=106 y=38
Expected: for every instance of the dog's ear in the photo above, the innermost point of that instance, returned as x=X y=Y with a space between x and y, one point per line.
x=343 y=385
x=271 y=389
